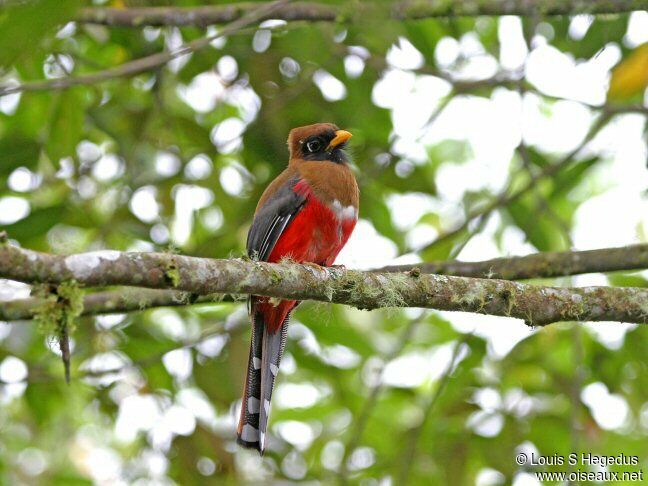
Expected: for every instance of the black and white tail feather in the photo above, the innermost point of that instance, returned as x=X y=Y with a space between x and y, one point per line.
x=266 y=351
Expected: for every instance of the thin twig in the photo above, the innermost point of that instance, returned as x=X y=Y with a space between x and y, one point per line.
x=360 y=423
x=575 y=388
x=147 y=63
x=506 y=197
x=541 y=201
x=412 y=442
x=64 y=346
x=436 y=113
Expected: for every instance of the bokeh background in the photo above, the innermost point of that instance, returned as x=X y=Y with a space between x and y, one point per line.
x=447 y=114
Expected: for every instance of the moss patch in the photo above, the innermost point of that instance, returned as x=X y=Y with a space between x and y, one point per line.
x=375 y=290
x=57 y=316
x=63 y=304
x=172 y=273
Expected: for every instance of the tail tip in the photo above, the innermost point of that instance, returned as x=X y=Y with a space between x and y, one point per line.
x=251 y=438
x=250 y=445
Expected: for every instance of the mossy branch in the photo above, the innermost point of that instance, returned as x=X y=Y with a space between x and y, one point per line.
x=202 y=16
x=127 y=299
x=537 y=305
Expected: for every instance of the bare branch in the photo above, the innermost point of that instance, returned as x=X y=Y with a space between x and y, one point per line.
x=625 y=109
x=537 y=305
x=111 y=302
x=203 y=16
x=539 y=265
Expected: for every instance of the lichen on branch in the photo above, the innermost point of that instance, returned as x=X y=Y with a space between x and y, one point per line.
x=57 y=313
x=536 y=305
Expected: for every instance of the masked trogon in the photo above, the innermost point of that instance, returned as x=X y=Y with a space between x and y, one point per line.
x=306 y=215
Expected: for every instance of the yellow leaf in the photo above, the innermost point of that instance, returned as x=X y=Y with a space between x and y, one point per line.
x=630 y=76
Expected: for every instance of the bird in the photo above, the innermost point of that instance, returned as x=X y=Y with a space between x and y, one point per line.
x=306 y=214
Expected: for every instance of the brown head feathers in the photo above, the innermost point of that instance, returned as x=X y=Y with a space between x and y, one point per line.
x=317 y=155
x=318 y=142
x=298 y=136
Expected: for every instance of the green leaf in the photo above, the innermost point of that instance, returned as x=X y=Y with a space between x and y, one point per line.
x=66 y=124
x=22 y=26
x=16 y=151
x=540 y=229
x=39 y=222
x=627 y=280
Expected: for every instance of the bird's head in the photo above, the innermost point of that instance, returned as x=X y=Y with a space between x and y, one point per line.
x=322 y=141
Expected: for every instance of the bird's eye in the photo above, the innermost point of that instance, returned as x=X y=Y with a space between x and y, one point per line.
x=313 y=146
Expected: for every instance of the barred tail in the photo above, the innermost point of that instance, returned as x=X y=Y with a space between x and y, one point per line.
x=263 y=366
x=248 y=427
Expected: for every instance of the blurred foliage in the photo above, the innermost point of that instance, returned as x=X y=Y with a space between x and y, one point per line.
x=175 y=159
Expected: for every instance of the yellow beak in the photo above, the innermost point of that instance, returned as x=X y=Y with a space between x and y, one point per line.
x=341 y=136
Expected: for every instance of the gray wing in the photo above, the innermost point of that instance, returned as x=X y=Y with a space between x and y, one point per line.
x=272 y=219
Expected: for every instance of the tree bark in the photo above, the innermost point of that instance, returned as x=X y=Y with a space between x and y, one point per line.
x=203 y=16
x=536 y=305
x=539 y=265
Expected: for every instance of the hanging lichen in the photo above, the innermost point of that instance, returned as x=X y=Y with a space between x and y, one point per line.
x=57 y=314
